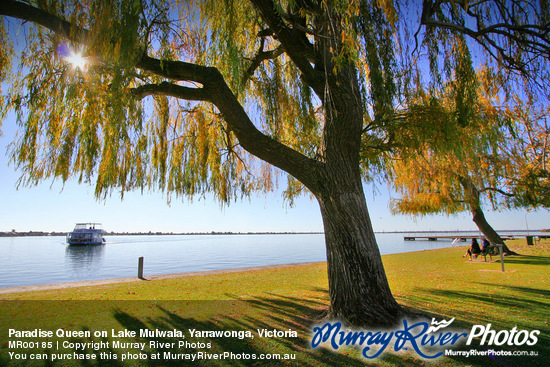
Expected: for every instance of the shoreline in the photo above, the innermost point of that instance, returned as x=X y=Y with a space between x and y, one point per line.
x=86 y=283
x=96 y=282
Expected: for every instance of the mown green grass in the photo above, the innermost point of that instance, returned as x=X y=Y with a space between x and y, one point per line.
x=439 y=283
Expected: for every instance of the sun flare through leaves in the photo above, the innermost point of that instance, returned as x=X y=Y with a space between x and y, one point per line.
x=74 y=58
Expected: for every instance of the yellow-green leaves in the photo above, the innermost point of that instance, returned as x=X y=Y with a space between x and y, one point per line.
x=6 y=53
x=447 y=145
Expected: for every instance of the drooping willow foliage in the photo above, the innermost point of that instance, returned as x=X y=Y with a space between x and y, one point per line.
x=91 y=124
x=432 y=176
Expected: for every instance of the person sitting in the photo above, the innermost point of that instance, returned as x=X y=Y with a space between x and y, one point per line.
x=474 y=250
x=486 y=248
x=485 y=245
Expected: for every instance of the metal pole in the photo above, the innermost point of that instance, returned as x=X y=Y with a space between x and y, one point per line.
x=140 y=268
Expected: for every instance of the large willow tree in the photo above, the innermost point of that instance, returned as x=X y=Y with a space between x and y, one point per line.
x=498 y=158
x=220 y=96
x=457 y=170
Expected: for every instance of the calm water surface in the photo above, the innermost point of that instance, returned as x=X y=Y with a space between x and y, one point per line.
x=43 y=260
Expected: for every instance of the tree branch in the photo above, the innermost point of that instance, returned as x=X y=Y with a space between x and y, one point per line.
x=297 y=46
x=303 y=168
x=172 y=90
x=176 y=70
x=517 y=38
x=23 y=11
x=260 y=57
x=494 y=189
x=214 y=89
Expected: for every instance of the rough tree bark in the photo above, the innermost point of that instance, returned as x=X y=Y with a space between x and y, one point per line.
x=358 y=287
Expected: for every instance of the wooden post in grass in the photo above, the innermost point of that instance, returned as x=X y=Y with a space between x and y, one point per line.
x=140 y=268
x=501 y=256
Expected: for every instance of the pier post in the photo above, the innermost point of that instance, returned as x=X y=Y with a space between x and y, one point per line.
x=140 y=267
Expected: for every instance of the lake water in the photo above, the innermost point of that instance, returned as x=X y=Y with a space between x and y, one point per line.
x=44 y=260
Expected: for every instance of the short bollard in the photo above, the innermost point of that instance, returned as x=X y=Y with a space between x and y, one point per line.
x=140 y=268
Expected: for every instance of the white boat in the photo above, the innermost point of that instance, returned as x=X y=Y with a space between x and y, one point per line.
x=85 y=234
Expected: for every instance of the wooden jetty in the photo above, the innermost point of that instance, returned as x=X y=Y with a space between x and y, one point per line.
x=435 y=237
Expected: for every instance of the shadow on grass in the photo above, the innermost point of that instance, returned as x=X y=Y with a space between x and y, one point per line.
x=527 y=260
x=529 y=304
x=270 y=312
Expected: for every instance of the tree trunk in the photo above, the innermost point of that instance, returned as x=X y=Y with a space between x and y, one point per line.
x=492 y=236
x=472 y=195
x=358 y=287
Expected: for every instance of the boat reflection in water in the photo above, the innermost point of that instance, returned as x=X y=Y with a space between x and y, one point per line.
x=86 y=234
x=84 y=260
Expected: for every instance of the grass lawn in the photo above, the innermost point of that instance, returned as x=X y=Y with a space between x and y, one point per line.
x=438 y=282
